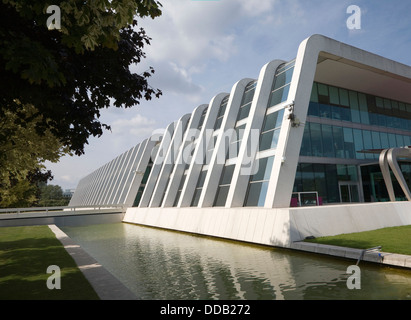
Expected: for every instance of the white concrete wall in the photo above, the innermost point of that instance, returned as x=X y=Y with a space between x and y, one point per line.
x=274 y=227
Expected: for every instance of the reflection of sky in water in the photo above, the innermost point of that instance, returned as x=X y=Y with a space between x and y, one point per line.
x=158 y=264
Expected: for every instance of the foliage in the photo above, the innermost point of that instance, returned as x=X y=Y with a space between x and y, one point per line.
x=55 y=82
x=51 y=196
x=22 y=156
x=69 y=75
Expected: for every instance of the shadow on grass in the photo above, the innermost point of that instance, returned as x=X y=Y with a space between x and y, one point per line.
x=23 y=269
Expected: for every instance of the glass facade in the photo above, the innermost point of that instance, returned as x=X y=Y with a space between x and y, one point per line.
x=143 y=184
x=247 y=100
x=258 y=184
x=199 y=188
x=234 y=144
x=351 y=127
x=224 y=186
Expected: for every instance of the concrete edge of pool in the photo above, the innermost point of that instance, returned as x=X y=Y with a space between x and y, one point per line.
x=106 y=285
x=285 y=227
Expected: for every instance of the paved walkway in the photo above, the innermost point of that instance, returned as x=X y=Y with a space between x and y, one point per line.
x=104 y=283
x=385 y=258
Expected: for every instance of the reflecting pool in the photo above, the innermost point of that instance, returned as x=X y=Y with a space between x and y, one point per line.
x=160 y=264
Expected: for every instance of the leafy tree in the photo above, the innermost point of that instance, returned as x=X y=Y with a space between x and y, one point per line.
x=69 y=75
x=22 y=157
x=55 y=82
x=51 y=196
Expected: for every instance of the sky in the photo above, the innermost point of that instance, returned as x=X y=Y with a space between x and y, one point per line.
x=200 y=48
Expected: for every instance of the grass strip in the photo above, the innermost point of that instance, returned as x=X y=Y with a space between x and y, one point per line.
x=393 y=240
x=25 y=255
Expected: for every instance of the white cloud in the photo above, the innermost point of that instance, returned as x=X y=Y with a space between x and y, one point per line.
x=136 y=127
x=189 y=32
x=172 y=78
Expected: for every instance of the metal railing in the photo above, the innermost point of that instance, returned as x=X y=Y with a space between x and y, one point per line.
x=314 y=200
x=73 y=209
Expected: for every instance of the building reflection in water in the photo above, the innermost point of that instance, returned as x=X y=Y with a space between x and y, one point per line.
x=159 y=264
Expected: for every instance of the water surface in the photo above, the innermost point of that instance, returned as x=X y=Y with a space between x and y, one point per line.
x=161 y=264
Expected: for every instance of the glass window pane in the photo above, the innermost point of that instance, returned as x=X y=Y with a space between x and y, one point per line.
x=221 y=112
x=273 y=120
x=400 y=141
x=314 y=93
x=256 y=194
x=349 y=144
x=338 y=137
x=376 y=140
x=379 y=102
x=270 y=121
x=313 y=109
x=201 y=179
x=196 y=197
x=322 y=89
x=358 y=142
x=367 y=139
x=279 y=96
x=218 y=123
x=177 y=198
x=344 y=100
x=248 y=97
x=239 y=133
x=283 y=78
x=244 y=112
x=392 y=140
x=269 y=140
x=306 y=143
x=280 y=118
x=307 y=176
x=265 y=142
x=227 y=174
x=354 y=107
x=385 y=144
x=336 y=112
x=324 y=110
x=334 y=99
x=407 y=140
x=274 y=139
x=316 y=140
x=221 y=197
x=264 y=169
x=327 y=137
x=362 y=101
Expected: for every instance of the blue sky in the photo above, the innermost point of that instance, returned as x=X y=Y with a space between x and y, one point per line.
x=201 y=48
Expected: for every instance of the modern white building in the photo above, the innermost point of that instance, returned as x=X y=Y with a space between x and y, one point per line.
x=294 y=153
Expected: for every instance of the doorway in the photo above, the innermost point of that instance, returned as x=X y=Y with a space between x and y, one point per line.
x=349 y=191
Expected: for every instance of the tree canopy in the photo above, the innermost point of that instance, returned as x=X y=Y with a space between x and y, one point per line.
x=54 y=83
x=70 y=74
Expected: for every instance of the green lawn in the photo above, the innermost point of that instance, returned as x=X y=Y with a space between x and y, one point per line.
x=394 y=240
x=25 y=254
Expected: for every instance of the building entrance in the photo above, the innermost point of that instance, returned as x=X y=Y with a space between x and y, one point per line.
x=349 y=191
